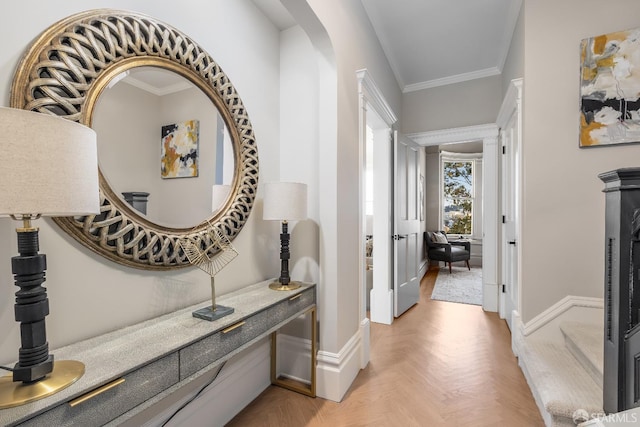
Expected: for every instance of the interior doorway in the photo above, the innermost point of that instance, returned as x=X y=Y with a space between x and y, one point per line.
x=377 y=139
x=510 y=123
x=487 y=136
x=376 y=279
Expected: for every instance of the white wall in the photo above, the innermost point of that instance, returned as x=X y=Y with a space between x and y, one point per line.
x=299 y=144
x=469 y=103
x=355 y=47
x=562 y=194
x=88 y=294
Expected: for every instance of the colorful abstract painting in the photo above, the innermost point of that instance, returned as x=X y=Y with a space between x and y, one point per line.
x=610 y=89
x=180 y=150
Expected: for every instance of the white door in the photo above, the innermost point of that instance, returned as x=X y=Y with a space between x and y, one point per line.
x=406 y=224
x=510 y=184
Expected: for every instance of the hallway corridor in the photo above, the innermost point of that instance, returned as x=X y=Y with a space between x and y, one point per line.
x=440 y=364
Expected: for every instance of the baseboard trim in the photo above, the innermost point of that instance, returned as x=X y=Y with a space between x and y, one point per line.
x=336 y=371
x=559 y=308
x=365 y=347
x=422 y=270
x=381 y=306
x=490 y=297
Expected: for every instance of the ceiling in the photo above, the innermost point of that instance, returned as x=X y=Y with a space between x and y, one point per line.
x=432 y=43
x=428 y=43
x=154 y=80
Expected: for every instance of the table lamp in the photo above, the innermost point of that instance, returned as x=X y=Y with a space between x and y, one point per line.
x=285 y=201
x=49 y=168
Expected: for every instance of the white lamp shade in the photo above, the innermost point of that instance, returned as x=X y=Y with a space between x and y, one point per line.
x=285 y=201
x=219 y=195
x=49 y=165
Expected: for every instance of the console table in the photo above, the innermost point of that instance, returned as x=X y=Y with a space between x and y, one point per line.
x=128 y=370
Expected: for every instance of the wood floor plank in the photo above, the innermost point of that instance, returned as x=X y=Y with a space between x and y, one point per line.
x=439 y=364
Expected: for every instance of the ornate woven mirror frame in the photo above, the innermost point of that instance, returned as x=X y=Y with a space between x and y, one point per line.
x=63 y=73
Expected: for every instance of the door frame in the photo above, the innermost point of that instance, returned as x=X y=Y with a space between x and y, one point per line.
x=488 y=134
x=512 y=104
x=370 y=99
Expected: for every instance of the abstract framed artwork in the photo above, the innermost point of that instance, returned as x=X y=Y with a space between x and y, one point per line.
x=610 y=89
x=179 y=158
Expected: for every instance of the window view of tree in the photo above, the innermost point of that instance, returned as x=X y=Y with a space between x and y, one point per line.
x=457 y=197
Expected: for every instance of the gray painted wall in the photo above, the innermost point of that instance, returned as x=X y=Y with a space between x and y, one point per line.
x=562 y=194
x=469 y=103
x=514 y=64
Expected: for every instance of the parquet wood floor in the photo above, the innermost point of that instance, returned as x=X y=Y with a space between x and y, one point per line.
x=439 y=364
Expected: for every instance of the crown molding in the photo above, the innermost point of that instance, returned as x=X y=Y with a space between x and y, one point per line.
x=166 y=90
x=461 y=134
x=458 y=78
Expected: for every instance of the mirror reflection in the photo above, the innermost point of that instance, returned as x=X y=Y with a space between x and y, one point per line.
x=163 y=147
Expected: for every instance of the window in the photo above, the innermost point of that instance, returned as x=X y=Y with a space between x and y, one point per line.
x=458 y=195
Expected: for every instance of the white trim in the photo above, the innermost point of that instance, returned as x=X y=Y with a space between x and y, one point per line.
x=447 y=155
x=365 y=336
x=559 y=308
x=461 y=134
x=336 y=371
x=372 y=100
x=488 y=134
x=368 y=88
x=458 y=78
x=475 y=159
x=381 y=305
x=422 y=270
x=511 y=105
x=490 y=215
x=489 y=300
x=158 y=91
x=511 y=101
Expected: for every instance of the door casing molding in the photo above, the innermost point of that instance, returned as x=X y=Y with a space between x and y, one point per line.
x=488 y=134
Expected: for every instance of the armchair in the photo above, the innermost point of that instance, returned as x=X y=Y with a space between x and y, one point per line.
x=446 y=251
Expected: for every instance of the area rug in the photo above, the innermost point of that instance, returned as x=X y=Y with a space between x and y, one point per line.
x=461 y=286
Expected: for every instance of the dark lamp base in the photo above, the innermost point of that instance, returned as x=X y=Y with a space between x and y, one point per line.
x=208 y=314
x=65 y=373
x=277 y=286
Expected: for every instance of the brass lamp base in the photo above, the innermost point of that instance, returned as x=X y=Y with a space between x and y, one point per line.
x=277 y=286
x=65 y=373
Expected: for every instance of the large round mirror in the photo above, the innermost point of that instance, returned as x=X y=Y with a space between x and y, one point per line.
x=195 y=158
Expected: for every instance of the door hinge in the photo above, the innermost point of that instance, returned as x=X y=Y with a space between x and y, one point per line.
x=504 y=219
x=504 y=149
x=504 y=289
